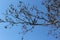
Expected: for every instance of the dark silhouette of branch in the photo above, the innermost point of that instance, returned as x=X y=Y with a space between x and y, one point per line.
x=26 y=16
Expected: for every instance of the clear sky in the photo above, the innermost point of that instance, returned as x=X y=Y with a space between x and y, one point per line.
x=39 y=33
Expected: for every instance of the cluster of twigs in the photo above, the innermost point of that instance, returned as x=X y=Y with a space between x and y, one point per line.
x=32 y=17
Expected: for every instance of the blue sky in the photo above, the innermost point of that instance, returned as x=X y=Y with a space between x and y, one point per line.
x=39 y=33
